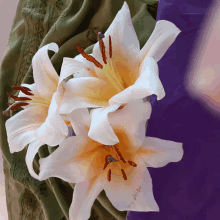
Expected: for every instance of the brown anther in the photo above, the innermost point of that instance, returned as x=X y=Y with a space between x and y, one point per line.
x=9 y=104
x=25 y=90
x=106 y=164
x=110 y=46
x=124 y=174
x=109 y=175
x=18 y=98
x=132 y=163
x=17 y=105
x=89 y=57
x=102 y=49
x=119 y=154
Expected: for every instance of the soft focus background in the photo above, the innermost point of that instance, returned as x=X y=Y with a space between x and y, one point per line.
x=7 y=13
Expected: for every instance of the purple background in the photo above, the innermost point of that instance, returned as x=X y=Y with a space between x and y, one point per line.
x=189 y=189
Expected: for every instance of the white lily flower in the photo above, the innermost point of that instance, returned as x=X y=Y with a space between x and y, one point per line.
x=118 y=72
x=39 y=123
x=119 y=169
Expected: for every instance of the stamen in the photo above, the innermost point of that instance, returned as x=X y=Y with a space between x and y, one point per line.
x=106 y=164
x=89 y=57
x=13 y=107
x=102 y=46
x=124 y=174
x=132 y=163
x=18 y=98
x=109 y=175
x=21 y=88
x=110 y=46
x=119 y=154
x=9 y=104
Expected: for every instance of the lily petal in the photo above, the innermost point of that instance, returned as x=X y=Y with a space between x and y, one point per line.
x=148 y=83
x=85 y=92
x=136 y=191
x=125 y=46
x=21 y=127
x=80 y=121
x=67 y=163
x=158 y=153
x=31 y=152
x=84 y=196
x=45 y=76
x=100 y=129
x=164 y=34
x=131 y=119
x=54 y=129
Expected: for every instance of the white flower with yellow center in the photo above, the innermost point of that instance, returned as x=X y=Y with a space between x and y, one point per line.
x=39 y=123
x=120 y=169
x=117 y=72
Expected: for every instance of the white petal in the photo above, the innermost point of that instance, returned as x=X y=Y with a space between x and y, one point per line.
x=54 y=129
x=21 y=127
x=132 y=120
x=100 y=129
x=133 y=194
x=76 y=65
x=31 y=152
x=84 y=196
x=161 y=39
x=45 y=76
x=125 y=45
x=158 y=153
x=80 y=121
x=148 y=83
x=86 y=92
x=67 y=163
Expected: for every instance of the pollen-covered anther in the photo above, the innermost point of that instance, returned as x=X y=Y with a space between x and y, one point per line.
x=109 y=175
x=105 y=165
x=133 y=164
x=124 y=174
x=18 y=98
x=13 y=107
x=110 y=46
x=89 y=57
x=102 y=46
x=24 y=89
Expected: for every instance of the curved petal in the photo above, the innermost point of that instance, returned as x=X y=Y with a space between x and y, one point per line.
x=125 y=47
x=135 y=193
x=85 y=92
x=164 y=34
x=131 y=119
x=100 y=129
x=45 y=76
x=80 y=121
x=70 y=161
x=54 y=129
x=31 y=152
x=76 y=65
x=158 y=153
x=148 y=83
x=85 y=193
x=21 y=127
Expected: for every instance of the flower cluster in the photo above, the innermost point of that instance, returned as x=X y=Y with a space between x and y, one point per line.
x=109 y=150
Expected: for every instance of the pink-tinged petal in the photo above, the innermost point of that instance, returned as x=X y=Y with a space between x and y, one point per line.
x=54 y=129
x=148 y=83
x=100 y=129
x=131 y=119
x=135 y=193
x=158 y=153
x=85 y=193
x=21 y=127
x=72 y=66
x=80 y=120
x=164 y=34
x=85 y=92
x=70 y=161
x=45 y=76
x=31 y=152
x=125 y=47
